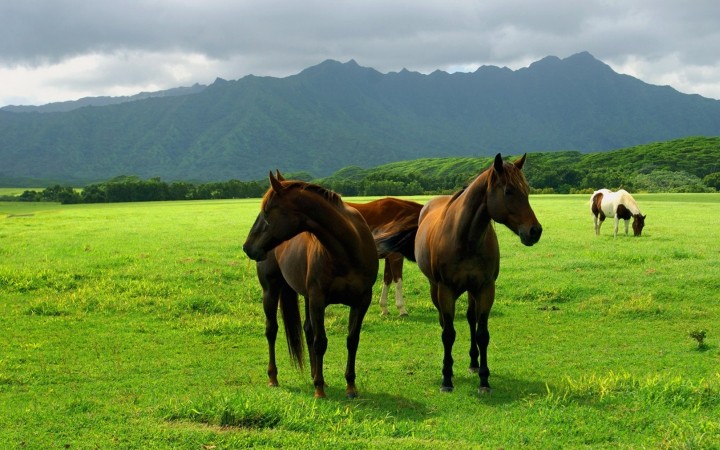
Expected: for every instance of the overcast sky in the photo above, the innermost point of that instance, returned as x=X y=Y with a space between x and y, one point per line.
x=56 y=50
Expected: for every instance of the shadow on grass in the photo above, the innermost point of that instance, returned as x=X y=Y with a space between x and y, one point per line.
x=505 y=390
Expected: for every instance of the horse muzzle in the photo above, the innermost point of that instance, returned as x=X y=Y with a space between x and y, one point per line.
x=531 y=235
x=254 y=253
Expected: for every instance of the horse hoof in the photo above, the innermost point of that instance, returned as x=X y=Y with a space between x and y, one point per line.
x=474 y=369
x=482 y=390
x=446 y=389
x=273 y=384
x=351 y=395
x=320 y=394
x=404 y=314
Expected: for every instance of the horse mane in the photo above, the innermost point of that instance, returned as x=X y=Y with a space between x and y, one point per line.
x=512 y=175
x=457 y=194
x=332 y=197
x=489 y=176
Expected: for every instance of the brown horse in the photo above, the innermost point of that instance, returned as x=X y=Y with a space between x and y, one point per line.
x=457 y=249
x=380 y=214
x=307 y=241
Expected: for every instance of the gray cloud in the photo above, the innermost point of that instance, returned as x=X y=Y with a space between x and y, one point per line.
x=166 y=42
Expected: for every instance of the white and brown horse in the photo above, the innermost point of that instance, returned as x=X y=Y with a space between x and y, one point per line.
x=618 y=205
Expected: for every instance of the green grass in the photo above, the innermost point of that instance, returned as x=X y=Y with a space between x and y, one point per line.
x=141 y=326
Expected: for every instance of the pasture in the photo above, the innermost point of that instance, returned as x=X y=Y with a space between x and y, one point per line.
x=141 y=326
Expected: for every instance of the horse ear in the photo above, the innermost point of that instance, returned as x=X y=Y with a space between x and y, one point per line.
x=275 y=183
x=520 y=162
x=279 y=175
x=498 y=163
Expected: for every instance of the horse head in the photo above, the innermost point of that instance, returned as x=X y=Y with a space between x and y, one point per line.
x=507 y=200
x=276 y=222
x=638 y=224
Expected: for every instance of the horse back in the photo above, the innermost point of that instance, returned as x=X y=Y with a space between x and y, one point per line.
x=628 y=202
x=379 y=213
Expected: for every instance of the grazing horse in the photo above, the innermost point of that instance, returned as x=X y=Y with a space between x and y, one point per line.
x=620 y=205
x=379 y=214
x=307 y=241
x=457 y=249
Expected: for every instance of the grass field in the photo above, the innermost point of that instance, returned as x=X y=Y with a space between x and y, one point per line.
x=141 y=326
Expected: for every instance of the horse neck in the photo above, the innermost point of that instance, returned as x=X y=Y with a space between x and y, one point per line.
x=630 y=204
x=473 y=218
x=331 y=226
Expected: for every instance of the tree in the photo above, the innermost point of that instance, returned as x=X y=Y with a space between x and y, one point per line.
x=712 y=180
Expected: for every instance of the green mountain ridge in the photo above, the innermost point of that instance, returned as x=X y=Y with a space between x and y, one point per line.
x=682 y=165
x=335 y=115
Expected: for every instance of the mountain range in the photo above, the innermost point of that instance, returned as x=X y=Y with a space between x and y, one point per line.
x=335 y=115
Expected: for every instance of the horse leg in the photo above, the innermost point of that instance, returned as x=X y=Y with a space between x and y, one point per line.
x=617 y=223
x=270 y=304
x=445 y=302
x=472 y=322
x=270 y=279
x=387 y=279
x=598 y=221
x=319 y=343
x=308 y=329
x=399 y=303
x=485 y=301
x=627 y=223
x=396 y=266
x=357 y=314
x=596 y=224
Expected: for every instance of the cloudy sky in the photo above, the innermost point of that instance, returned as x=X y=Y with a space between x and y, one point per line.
x=56 y=50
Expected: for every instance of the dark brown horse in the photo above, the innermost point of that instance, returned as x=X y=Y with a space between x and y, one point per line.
x=380 y=214
x=457 y=250
x=307 y=241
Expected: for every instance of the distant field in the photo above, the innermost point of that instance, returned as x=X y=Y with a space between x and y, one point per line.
x=16 y=191
x=141 y=326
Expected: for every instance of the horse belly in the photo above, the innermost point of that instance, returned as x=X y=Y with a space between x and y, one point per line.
x=347 y=289
x=427 y=240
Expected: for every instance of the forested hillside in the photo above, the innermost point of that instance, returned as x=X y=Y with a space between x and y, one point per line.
x=335 y=115
x=683 y=165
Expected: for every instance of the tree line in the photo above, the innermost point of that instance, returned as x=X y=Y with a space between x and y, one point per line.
x=134 y=189
x=682 y=165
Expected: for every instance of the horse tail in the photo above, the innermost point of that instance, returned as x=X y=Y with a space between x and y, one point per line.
x=402 y=242
x=293 y=326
